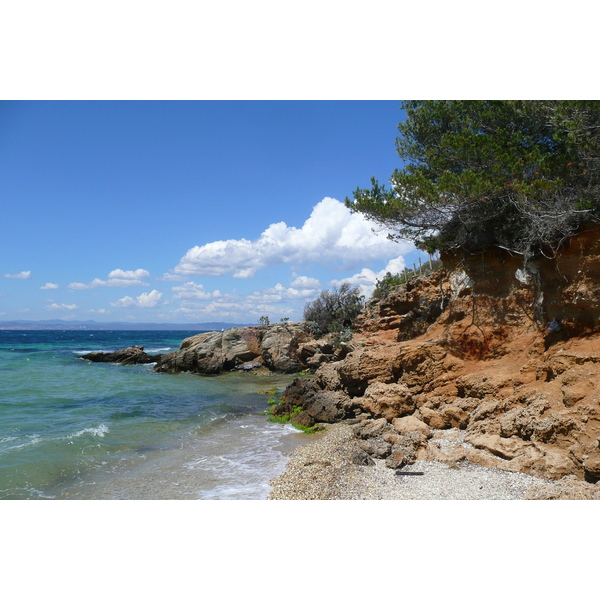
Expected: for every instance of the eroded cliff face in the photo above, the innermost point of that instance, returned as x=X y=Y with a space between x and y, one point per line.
x=468 y=349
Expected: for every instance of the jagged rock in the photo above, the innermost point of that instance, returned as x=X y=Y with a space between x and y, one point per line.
x=368 y=365
x=299 y=393
x=505 y=448
x=543 y=460
x=249 y=366
x=321 y=405
x=133 y=355
x=527 y=422
x=303 y=419
x=239 y=345
x=433 y=418
x=410 y=423
x=568 y=489
x=328 y=407
x=328 y=377
x=372 y=428
x=361 y=458
x=202 y=353
x=376 y=447
x=408 y=310
x=591 y=465
x=278 y=347
x=388 y=400
x=318 y=359
x=213 y=352
x=454 y=416
x=392 y=437
x=396 y=459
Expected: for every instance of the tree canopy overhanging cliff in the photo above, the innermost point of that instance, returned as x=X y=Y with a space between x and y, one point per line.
x=520 y=175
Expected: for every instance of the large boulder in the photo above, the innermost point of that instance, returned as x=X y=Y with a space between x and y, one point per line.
x=278 y=347
x=367 y=365
x=320 y=405
x=199 y=354
x=213 y=352
x=388 y=400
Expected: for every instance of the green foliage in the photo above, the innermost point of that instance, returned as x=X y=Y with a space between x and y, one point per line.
x=308 y=430
x=274 y=395
x=334 y=310
x=270 y=392
x=282 y=419
x=264 y=321
x=385 y=286
x=523 y=175
x=287 y=418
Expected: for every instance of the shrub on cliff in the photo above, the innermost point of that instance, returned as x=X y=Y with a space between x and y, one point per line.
x=384 y=287
x=521 y=175
x=334 y=310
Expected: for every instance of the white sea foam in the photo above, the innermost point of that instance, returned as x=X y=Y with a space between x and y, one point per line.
x=108 y=350
x=31 y=441
x=90 y=351
x=99 y=431
x=239 y=463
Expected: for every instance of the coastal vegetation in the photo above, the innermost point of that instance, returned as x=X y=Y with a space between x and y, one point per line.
x=518 y=175
x=391 y=281
x=334 y=311
x=290 y=416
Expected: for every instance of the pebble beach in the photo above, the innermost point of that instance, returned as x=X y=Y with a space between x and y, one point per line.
x=323 y=470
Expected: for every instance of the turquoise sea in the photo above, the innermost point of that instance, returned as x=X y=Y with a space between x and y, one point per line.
x=71 y=429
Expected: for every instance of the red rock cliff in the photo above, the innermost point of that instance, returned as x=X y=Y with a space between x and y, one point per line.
x=469 y=348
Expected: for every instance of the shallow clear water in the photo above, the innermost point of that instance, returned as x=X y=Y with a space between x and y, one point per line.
x=74 y=429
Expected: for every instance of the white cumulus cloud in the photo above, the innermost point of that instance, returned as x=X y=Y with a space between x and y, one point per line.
x=145 y=300
x=193 y=291
x=171 y=277
x=305 y=282
x=55 y=306
x=280 y=293
x=332 y=235
x=366 y=279
x=49 y=286
x=116 y=278
x=21 y=275
x=276 y=302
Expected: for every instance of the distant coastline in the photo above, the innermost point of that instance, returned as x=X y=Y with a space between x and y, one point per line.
x=117 y=325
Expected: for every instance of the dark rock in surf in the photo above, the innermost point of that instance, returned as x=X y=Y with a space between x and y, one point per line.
x=134 y=355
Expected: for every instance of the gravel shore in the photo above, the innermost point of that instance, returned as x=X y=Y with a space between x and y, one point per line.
x=323 y=470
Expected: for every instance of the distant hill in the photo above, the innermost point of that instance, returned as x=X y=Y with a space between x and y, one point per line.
x=119 y=325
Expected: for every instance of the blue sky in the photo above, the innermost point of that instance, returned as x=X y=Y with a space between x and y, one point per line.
x=188 y=211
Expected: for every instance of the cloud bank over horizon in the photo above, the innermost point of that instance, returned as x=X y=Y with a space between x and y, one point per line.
x=116 y=278
x=333 y=246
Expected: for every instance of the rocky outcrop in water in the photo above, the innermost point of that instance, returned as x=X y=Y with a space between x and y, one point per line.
x=469 y=350
x=280 y=348
x=133 y=355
